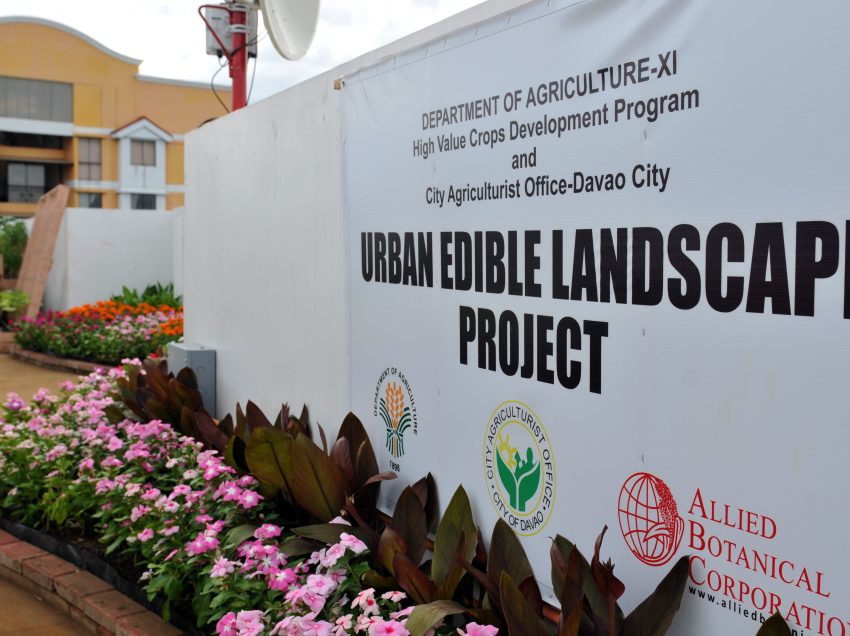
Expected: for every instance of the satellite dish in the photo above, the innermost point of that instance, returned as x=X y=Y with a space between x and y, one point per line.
x=291 y=25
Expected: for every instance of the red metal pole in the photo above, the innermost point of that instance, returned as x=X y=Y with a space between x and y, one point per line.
x=239 y=59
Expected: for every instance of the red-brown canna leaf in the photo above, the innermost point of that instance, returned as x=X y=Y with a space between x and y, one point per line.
x=390 y=544
x=317 y=484
x=208 y=433
x=413 y=580
x=522 y=620
x=409 y=521
x=774 y=626
x=655 y=614
x=341 y=454
x=255 y=418
x=269 y=456
x=611 y=587
x=457 y=523
x=570 y=622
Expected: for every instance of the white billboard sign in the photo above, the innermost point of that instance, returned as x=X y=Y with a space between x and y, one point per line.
x=599 y=275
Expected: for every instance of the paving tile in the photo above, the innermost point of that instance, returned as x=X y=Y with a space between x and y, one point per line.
x=23 y=614
x=147 y=624
x=108 y=607
x=43 y=570
x=78 y=585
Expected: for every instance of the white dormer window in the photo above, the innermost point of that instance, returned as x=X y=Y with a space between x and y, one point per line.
x=141 y=179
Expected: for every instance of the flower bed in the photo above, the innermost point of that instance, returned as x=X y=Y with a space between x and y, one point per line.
x=207 y=537
x=105 y=332
x=253 y=528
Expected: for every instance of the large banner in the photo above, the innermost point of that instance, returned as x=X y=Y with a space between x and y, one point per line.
x=600 y=275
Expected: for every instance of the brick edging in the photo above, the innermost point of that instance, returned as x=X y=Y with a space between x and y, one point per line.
x=52 y=362
x=95 y=605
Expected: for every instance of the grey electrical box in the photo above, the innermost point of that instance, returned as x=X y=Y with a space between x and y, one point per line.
x=201 y=360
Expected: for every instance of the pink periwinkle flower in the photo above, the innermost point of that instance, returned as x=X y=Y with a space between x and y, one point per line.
x=248 y=499
x=222 y=567
x=145 y=535
x=366 y=602
x=226 y=625
x=281 y=580
x=86 y=464
x=250 y=622
x=394 y=597
x=352 y=543
x=267 y=531
x=380 y=627
x=474 y=629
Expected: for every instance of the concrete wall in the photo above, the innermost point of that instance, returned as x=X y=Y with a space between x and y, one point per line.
x=265 y=259
x=99 y=251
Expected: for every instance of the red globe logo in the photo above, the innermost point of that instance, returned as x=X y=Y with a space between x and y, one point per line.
x=649 y=519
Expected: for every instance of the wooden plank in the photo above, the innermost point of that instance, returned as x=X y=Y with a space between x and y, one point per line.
x=38 y=255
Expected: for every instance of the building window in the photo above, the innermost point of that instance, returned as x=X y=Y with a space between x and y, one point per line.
x=90 y=200
x=26 y=182
x=35 y=99
x=143 y=201
x=89 y=157
x=142 y=153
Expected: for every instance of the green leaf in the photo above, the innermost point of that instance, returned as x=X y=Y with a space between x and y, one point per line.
x=654 y=616
x=774 y=626
x=269 y=456
x=328 y=533
x=456 y=522
x=297 y=546
x=317 y=483
x=428 y=616
x=239 y=534
x=507 y=555
x=522 y=620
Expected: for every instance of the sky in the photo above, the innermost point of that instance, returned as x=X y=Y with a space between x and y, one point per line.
x=169 y=36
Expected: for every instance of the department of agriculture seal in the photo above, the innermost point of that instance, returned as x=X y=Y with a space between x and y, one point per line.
x=519 y=467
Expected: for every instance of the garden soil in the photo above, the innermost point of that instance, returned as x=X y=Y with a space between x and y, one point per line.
x=25 y=379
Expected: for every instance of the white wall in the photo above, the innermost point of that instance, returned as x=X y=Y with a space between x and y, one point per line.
x=265 y=259
x=99 y=251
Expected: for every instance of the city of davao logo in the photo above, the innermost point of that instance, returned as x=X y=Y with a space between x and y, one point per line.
x=649 y=519
x=519 y=467
x=397 y=419
x=393 y=403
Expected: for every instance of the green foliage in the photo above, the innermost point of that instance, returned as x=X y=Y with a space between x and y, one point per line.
x=156 y=295
x=13 y=242
x=11 y=302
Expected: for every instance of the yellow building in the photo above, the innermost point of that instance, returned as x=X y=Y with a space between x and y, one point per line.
x=73 y=111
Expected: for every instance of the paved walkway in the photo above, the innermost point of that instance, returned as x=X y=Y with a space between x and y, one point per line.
x=25 y=379
x=22 y=613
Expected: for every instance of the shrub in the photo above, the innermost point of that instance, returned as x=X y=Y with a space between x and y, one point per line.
x=11 y=302
x=13 y=242
x=106 y=332
x=156 y=294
